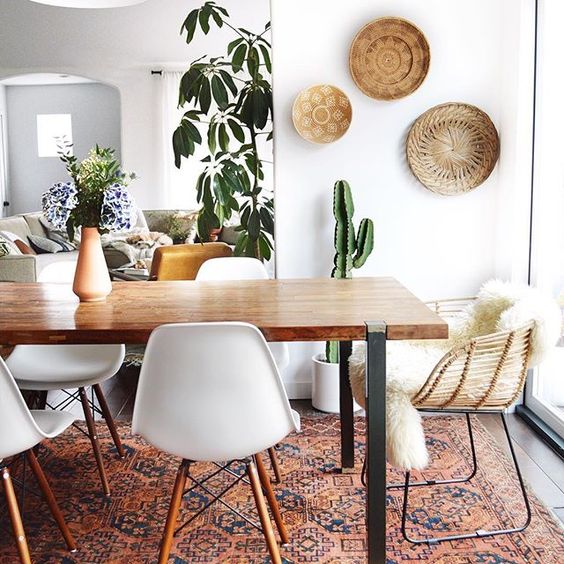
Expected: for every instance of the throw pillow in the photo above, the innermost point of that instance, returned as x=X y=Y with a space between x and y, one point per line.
x=64 y=242
x=24 y=248
x=9 y=246
x=42 y=245
x=51 y=231
x=5 y=248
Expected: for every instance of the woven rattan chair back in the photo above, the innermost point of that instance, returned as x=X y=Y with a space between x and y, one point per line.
x=486 y=373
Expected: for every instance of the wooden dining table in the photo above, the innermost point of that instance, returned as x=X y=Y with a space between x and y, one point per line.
x=373 y=310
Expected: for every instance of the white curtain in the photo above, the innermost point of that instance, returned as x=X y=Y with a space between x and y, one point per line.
x=177 y=186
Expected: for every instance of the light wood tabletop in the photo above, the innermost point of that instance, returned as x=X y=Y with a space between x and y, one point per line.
x=284 y=310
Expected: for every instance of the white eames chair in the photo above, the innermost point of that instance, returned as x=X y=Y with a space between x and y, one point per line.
x=43 y=368
x=244 y=268
x=212 y=392
x=20 y=432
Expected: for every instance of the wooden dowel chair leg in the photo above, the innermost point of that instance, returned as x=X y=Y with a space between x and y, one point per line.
x=275 y=465
x=173 y=510
x=51 y=501
x=272 y=501
x=15 y=517
x=94 y=440
x=263 y=514
x=109 y=419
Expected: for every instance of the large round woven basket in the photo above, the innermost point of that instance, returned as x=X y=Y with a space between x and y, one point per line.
x=389 y=58
x=322 y=113
x=452 y=148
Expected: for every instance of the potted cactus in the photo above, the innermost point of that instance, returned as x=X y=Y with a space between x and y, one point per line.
x=351 y=251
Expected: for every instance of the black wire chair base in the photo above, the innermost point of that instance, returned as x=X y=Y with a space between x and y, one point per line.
x=215 y=496
x=480 y=533
x=437 y=482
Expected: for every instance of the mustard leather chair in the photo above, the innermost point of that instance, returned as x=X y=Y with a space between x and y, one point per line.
x=182 y=262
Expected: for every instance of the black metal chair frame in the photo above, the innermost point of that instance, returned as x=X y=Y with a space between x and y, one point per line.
x=480 y=533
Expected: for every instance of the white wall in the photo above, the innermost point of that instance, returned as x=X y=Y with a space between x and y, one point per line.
x=95 y=114
x=117 y=46
x=437 y=246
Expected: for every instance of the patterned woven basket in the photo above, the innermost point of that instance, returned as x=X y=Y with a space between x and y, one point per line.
x=322 y=113
x=452 y=148
x=389 y=58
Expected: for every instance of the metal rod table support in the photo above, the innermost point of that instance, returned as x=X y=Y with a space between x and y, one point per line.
x=376 y=440
x=346 y=407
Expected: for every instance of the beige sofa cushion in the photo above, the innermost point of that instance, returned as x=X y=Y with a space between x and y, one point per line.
x=16 y=225
x=34 y=223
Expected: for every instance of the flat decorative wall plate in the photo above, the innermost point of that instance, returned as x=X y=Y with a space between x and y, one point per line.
x=452 y=148
x=389 y=58
x=322 y=113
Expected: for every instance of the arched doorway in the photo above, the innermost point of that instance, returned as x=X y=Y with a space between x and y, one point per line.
x=35 y=110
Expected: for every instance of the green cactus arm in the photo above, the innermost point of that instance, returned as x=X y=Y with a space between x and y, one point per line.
x=332 y=352
x=343 y=206
x=345 y=239
x=344 y=248
x=364 y=242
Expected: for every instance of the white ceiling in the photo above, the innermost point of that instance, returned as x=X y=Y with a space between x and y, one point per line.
x=90 y=3
x=42 y=79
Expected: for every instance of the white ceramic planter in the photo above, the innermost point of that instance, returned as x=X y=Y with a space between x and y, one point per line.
x=325 y=385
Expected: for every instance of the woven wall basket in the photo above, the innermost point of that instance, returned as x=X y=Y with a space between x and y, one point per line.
x=322 y=113
x=452 y=148
x=389 y=58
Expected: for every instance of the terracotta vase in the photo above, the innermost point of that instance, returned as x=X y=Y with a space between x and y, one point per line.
x=91 y=279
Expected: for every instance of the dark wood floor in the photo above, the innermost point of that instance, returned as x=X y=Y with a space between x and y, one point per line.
x=542 y=468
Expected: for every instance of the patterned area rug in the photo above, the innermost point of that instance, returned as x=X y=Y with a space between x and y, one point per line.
x=323 y=509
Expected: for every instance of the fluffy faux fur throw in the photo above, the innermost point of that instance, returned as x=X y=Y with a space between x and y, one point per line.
x=500 y=307
x=137 y=244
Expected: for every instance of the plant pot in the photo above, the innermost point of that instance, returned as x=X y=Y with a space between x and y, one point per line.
x=91 y=279
x=325 y=386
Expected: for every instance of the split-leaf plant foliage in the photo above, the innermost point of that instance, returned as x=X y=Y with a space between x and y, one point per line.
x=229 y=105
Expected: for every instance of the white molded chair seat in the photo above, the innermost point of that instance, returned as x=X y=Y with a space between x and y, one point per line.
x=243 y=268
x=297 y=420
x=42 y=368
x=20 y=432
x=212 y=392
x=24 y=429
x=204 y=406
x=56 y=367
x=52 y=423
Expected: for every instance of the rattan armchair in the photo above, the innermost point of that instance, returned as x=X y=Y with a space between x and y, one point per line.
x=483 y=375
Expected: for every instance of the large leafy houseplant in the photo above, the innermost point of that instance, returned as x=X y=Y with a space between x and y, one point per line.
x=229 y=106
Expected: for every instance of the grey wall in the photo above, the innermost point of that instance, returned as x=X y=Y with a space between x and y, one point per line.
x=96 y=118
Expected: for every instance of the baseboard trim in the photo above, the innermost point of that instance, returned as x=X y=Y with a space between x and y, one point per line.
x=547 y=434
x=298 y=390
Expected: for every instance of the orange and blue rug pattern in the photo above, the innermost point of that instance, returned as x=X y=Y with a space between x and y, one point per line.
x=323 y=509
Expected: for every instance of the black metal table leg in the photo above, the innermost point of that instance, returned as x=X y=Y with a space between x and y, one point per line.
x=346 y=406
x=376 y=441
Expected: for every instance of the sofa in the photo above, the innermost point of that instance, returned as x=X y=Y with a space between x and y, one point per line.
x=60 y=266
x=46 y=267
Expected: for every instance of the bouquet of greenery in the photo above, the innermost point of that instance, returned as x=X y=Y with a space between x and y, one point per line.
x=97 y=196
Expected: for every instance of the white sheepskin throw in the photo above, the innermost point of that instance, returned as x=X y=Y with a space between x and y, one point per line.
x=500 y=307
